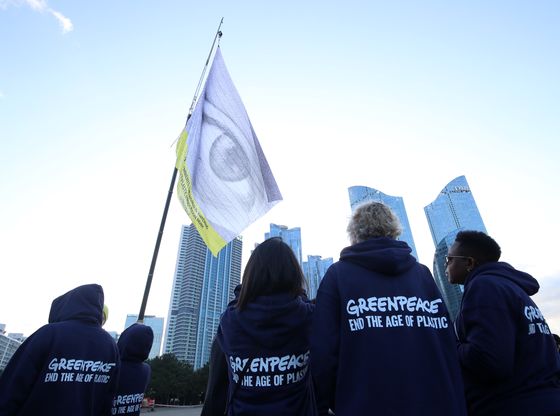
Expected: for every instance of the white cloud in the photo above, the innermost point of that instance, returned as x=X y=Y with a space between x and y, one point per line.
x=38 y=5
x=66 y=23
x=41 y=6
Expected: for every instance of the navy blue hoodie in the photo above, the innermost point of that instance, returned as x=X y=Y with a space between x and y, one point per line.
x=134 y=345
x=267 y=349
x=382 y=342
x=508 y=356
x=68 y=367
x=216 y=396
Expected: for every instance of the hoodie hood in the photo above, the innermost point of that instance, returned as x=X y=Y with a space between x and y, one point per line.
x=270 y=321
x=381 y=255
x=135 y=343
x=503 y=270
x=84 y=303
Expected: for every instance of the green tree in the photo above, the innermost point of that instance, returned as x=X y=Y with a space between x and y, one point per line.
x=175 y=382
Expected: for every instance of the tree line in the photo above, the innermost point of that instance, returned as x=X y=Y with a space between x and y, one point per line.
x=176 y=382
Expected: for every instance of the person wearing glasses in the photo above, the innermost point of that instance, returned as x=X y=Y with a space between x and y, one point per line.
x=507 y=352
x=382 y=342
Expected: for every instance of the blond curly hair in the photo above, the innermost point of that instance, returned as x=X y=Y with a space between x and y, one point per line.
x=372 y=220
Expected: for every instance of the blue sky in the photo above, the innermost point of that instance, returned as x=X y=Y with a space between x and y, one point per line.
x=400 y=96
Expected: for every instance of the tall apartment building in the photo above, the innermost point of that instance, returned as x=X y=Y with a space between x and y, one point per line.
x=202 y=287
x=154 y=322
x=361 y=194
x=8 y=347
x=18 y=336
x=453 y=210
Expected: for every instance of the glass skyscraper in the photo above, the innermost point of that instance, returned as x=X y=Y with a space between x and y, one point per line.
x=452 y=211
x=154 y=322
x=290 y=236
x=314 y=269
x=202 y=287
x=361 y=194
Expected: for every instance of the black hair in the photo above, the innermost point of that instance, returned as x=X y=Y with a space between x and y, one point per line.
x=478 y=245
x=272 y=268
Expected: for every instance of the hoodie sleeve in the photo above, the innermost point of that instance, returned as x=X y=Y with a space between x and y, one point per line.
x=217 y=387
x=113 y=389
x=20 y=375
x=325 y=341
x=487 y=337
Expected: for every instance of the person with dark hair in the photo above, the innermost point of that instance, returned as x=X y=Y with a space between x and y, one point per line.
x=134 y=345
x=69 y=366
x=508 y=357
x=265 y=337
x=382 y=341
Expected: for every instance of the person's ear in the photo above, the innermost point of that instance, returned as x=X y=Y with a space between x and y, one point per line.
x=471 y=264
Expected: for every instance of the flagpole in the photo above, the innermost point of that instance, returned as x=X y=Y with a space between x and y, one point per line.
x=217 y=38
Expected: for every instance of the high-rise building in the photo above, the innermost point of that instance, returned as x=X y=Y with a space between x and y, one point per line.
x=314 y=269
x=8 y=347
x=290 y=236
x=453 y=210
x=154 y=322
x=361 y=194
x=18 y=336
x=202 y=287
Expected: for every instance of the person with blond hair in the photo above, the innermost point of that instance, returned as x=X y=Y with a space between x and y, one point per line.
x=382 y=341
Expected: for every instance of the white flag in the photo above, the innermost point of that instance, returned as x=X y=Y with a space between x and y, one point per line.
x=225 y=182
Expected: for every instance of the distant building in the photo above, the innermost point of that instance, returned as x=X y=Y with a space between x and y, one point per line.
x=361 y=194
x=290 y=236
x=18 y=336
x=8 y=347
x=453 y=210
x=202 y=287
x=314 y=269
x=156 y=324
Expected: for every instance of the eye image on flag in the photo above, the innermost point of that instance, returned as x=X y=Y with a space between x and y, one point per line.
x=225 y=182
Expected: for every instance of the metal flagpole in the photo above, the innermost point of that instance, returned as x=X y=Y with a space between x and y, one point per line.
x=217 y=38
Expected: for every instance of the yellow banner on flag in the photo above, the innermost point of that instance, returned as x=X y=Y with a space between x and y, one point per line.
x=184 y=190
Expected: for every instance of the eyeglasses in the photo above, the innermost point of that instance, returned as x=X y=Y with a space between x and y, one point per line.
x=449 y=258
